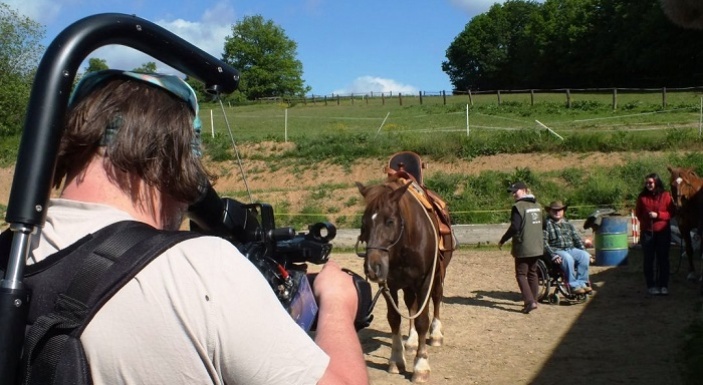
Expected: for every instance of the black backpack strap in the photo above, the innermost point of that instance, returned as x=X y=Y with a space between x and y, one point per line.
x=110 y=259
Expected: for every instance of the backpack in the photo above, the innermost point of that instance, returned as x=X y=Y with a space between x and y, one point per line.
x=70 y=286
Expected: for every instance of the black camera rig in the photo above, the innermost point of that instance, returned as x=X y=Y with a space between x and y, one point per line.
x=280 y=254
x=276 y=252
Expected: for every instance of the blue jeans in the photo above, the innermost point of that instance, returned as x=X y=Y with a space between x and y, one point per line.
x=574 y=264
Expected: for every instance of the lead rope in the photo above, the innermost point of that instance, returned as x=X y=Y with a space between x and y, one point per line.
x=386 y=291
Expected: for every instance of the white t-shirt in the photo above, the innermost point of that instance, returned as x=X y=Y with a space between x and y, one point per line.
x=201 y=313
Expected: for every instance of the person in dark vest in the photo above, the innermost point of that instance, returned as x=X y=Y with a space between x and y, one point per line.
x=527 y=245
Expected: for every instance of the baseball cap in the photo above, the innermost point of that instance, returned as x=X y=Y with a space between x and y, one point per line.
x=517 y=186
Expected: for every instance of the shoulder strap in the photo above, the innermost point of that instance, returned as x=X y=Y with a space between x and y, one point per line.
x=108 y=261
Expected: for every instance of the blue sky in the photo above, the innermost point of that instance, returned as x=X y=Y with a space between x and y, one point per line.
x=355 y=46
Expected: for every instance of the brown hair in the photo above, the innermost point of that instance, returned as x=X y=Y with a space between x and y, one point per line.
x=152 y=137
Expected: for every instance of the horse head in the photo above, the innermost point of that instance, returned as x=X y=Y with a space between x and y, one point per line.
x=382 y=227
x=684 y=183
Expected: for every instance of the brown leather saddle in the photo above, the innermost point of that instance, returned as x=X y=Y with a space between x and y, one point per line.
x=408 y=165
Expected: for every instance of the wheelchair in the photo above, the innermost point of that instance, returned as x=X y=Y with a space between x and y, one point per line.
x=551 y=279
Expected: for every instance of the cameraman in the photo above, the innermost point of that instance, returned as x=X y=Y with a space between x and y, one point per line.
x=200 y=313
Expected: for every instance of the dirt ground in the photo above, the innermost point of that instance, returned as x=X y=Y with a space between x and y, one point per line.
x=620 y=336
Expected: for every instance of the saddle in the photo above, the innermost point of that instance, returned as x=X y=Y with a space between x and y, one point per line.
x=408 y=166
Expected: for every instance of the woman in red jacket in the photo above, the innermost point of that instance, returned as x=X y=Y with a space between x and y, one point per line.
x=654 y=209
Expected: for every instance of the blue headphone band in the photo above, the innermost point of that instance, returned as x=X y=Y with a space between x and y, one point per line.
x=170 y=83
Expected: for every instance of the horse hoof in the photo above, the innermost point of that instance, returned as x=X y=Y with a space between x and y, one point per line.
x=420 y=377
x=437 y=341
x=396 y=368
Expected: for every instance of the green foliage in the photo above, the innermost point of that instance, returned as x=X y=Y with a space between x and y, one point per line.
x=266 y=58
x=96 y=64
x=146 y=68
x=19 y=55
x=576 y=44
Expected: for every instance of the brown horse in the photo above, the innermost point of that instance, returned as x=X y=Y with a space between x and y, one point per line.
x=688 y=197
x=402 y=253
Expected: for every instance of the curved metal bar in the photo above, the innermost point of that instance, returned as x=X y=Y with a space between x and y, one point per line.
x=36 y=160
x=34 y=170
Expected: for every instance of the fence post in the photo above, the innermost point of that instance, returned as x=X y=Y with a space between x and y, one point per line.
x=352 y=98
x=663 y=97
x=532 y=97
x=420 y=97
x=337 y=99
x=400 y=98
x=498 y=93
x=471 y=99
x=325 y=99
x=383 y=99
x=568 y=98
x=615 y=99
x=444 y=97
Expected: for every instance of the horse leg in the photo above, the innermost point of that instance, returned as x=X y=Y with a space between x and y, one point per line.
x=411 y=343
x=436 y=336
x=421 y=366
x=396 y=363
x=688 y=244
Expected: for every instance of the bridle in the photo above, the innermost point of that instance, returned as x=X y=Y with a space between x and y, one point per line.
x=386 y=249
x=679 y=196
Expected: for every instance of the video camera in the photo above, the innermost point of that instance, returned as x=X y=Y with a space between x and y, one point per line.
x=280 y=254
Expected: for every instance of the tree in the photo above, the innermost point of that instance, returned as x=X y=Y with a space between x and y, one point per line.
x=96 y=64
x=265 y=56
x=485 y=53
x=146 y=68
x=20 y=52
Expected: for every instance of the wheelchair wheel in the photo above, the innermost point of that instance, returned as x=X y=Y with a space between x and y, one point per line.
x=544 y=280
x=554 y=299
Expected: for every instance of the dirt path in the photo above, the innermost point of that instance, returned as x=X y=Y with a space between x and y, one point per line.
x=620 y=336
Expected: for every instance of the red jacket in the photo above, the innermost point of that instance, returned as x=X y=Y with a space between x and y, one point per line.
x=662 y=204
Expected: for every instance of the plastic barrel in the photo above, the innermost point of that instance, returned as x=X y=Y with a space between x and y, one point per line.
x=611 y=242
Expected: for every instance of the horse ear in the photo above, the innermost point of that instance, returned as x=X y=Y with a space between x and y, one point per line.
x=398 y=193
x=362 y=189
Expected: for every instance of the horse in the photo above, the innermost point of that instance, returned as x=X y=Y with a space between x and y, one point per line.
x=688 y=198
x=403 y=253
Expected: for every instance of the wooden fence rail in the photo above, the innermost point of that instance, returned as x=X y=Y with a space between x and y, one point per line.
x=432 y=97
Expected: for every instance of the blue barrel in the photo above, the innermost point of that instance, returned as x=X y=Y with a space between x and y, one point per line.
x=611 y=241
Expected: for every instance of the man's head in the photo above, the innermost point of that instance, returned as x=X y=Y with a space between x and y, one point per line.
x=518 y=189
x=556 y=210
x=140 y=125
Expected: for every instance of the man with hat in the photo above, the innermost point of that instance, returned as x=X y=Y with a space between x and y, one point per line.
x=563 y=244
x=527 y=245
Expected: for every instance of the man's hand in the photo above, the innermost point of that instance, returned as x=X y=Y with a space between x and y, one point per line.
x=557 y=259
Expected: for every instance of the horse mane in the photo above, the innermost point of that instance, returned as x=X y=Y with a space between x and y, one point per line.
x=375 y=193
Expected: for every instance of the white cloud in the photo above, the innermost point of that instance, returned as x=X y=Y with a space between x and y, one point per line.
x=41 y=11
x=208 y=34
x=369 y=84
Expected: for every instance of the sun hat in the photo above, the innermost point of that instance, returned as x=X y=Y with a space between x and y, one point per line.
x=557 y=205
x=519 y=185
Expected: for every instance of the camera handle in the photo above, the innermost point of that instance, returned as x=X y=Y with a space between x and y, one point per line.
x=36 y=160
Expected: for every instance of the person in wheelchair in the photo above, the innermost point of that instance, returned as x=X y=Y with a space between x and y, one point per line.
x=563 y=245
